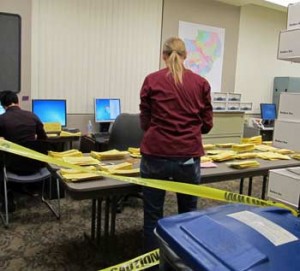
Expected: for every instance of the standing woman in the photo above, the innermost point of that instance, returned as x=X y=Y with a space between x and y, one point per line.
x=175 y=110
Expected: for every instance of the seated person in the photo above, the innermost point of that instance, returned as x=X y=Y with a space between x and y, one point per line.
x=21 y=127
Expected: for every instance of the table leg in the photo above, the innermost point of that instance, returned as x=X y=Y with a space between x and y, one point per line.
x=106 y=218
x=241 y=185
x=98 y=223
x=250 y=186
x=113 y=215
x=93 y=219
x=264 y=186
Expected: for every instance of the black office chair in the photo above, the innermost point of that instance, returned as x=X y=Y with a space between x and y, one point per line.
x=23 y=170
x=87 y=144
x=125 y=132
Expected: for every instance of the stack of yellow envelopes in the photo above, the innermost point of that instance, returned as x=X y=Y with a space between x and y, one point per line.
x=74 y=175
x=265 y=148
x=215 y=152
x=124 y=165
x=284 y=151
x=296 y=156
x=134 y=152
x=109 y=155
x=125 y=168
x=81 y=161
x=246 y=155
x=269 y=143
x=205 y=159
x=126 y=172
x=224 y=145
x=244 y=164
x=272 y=156
x=224 y=156
x=69 y=153
x=246 y=147
x=253 y=140
x=209 y=146
x=66 y=134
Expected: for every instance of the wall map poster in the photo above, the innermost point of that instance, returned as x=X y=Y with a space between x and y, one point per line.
x=205 y=48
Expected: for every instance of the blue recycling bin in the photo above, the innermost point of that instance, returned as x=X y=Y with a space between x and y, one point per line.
x=230 y=237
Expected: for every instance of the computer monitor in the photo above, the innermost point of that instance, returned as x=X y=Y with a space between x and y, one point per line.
x=51 y=110
x=106 y=111
x=2 y=110
x=268 y=112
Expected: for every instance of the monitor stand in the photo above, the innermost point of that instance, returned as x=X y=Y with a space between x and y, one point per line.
x=268 y=123
x=104 y=127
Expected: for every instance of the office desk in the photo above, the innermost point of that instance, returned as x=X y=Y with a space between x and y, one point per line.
x=59 y=142
x=108 y=190
x=266 y=133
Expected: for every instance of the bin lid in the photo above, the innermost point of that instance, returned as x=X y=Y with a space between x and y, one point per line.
x=234 y=237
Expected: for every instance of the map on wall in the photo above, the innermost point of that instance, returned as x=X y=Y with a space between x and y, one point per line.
x=205 y=48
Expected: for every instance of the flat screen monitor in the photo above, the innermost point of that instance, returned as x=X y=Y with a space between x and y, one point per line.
x=268 y=112
x=50 y=110
x=107 y=110
x=2 y=110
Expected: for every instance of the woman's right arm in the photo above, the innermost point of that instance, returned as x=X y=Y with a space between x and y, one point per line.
x=145 y=106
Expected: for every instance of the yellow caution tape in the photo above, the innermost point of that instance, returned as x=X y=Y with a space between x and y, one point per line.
x=152 y=258
x=184 y=188
x=139 y=263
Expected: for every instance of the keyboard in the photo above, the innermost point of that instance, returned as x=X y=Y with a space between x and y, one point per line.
x=100 y=136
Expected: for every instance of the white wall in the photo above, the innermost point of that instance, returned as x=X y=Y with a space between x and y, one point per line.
x=86 y=49
x=257 y=63
x=22 y=8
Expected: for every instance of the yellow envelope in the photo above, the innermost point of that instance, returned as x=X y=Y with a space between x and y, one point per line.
x=110 y=155
x=209 y=146
x=246 y=155
x=70 y=153
x=273 y=156
x=84 y=160
x=66 y=134
x=246 y=147
x=244 y=164
x=224 y=145
x=126 y=172
x=83 y=176
x=125 y=165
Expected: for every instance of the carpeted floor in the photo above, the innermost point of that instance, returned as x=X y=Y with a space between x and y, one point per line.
x=36 y=240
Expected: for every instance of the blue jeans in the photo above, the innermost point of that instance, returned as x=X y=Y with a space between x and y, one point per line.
x=186 y=170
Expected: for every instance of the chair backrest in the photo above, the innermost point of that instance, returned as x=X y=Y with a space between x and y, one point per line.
x=23 y=165
x=87 y=144
x=125 y=132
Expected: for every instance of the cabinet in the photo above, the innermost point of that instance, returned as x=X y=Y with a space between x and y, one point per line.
x=284 y=84
x=228 y=128
x=266 y=134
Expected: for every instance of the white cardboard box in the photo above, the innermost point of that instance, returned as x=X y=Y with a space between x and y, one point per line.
x=233 y=106
x=286 y=134
x=234 y=97
x=293 y=19
x=245 y=106
x=219 y=96
x=219 y=106
x=289 y=45
x=284 y=186
x=289 y=106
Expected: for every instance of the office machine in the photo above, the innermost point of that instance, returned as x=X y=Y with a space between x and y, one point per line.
x=106 y=111
x=268 y=114
x=51 y=110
